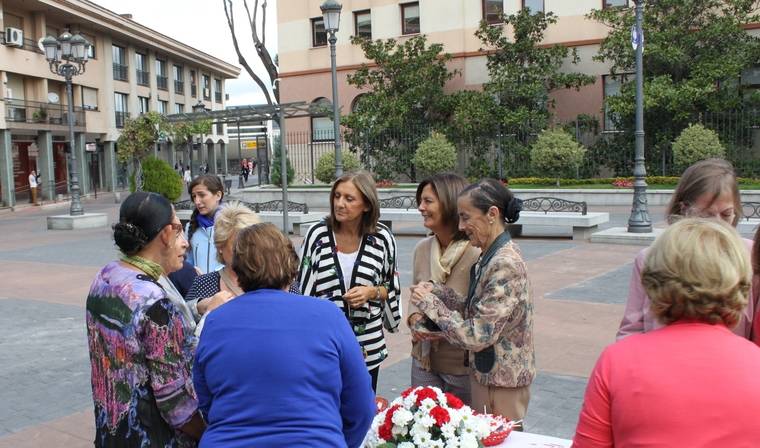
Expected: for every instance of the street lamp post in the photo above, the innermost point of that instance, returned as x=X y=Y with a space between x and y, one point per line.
x=639 y=221
x=67 y=57
x=331 y=14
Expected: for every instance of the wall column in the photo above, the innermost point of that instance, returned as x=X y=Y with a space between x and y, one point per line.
x=225 y=161
x=8 y=195
x=45 y=164
x=109 y=168
x=171 y=156
x=211 y=159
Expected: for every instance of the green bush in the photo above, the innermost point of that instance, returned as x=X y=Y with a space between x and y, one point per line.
x=325 y=171
x=159 y=177
x=694 y=144
x=556 y=153
x=434 y=155
x=274 y=175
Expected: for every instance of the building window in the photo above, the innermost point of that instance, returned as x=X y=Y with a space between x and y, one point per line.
x=161 y=80
x=163 y=107
x=612 y=86
x=121 y=108
x=220 y=129
x=493 y=10
x=89 y=98
x=218 y=90
x=534 y=5
x=318 y=33
x=410 y=18
x=363 y=24
x=355 y=103
x=179 y=108
x=193 y=84
x=144 y=104
x=614 y=3
x=120 y=63
x=179 y=80
x=14 y=21
x=322 y=129
x=206 y=87
x=141 y=69
x=91 y=48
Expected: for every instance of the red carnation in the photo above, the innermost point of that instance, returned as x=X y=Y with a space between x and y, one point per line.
x=440 y=415
x=425 y=392
x=389 y=414
x=407 y=392
x=453 y=401
x=385 y=431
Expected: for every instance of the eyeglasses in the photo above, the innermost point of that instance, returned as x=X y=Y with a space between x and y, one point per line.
x=177 y=227
x=695 y=212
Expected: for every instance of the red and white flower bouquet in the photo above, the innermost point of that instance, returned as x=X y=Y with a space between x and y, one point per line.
x=427 y=417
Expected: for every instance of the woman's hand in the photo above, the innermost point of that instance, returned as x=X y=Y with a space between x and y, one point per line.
x=419 y=291
x=214 y=302
x=359 y=295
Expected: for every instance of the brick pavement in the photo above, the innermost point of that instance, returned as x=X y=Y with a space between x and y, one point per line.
x=44 y=366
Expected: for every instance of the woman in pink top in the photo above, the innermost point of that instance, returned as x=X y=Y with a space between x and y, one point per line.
x=691 y=383
x=707 y=189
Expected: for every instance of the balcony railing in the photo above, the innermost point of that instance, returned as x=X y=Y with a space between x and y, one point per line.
x=120 y=72
x=29 y=44
x=143 y=78
x=179 y=88
x=121 y=118
x=193 y=90
x=161 y=82
x=45 y=114
x=218 y=96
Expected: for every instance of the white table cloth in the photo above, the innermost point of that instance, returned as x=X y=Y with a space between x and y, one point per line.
x=527 y=440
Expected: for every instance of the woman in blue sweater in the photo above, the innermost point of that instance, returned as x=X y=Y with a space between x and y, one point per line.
x=277 y=369
x=206 y=192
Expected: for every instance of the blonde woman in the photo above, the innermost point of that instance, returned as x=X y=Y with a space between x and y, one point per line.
x=692 y=382
x=211 y=290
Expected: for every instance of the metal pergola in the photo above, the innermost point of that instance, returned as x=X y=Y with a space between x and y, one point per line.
x=257 y=114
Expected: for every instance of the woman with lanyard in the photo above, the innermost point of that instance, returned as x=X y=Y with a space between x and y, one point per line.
x=495 y=325
x=141 y=334
x=206 y=192
x=350 y=259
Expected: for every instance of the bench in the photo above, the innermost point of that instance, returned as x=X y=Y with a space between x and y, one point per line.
x=270 y=211
x=750 y=219
x=539 y=213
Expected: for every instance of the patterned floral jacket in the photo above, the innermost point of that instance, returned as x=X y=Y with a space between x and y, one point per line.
x=498 y=323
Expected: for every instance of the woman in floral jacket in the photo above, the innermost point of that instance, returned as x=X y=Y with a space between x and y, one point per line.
x=495 y=325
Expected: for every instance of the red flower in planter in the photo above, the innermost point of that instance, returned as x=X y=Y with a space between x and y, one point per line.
x=453 y=401
x=440 y=415
x=407 y=392
x=384 y=431
x=426 y=393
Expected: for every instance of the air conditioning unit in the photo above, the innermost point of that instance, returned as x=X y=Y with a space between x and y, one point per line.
x=14 y=37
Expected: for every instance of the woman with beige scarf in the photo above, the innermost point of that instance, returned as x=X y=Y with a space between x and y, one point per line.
x=445 y=258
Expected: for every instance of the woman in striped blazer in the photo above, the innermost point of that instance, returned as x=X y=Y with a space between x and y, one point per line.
x=350 y=259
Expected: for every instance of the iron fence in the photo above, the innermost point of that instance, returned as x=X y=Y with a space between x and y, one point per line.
x=507 y=155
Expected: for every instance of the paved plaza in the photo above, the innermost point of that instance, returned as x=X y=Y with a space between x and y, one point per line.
x=579 y=292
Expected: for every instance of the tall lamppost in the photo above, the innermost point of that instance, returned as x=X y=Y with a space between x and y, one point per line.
x=639 y=221
x=331 y=14
x=67 y=57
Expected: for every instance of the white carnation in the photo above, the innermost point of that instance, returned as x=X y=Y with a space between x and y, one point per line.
x=468 y=441
x=417 y=429
x=401 y=417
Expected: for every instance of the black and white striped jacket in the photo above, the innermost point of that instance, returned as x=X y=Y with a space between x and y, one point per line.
x=320 y=276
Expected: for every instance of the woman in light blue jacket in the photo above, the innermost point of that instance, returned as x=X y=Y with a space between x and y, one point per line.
x=206 y=192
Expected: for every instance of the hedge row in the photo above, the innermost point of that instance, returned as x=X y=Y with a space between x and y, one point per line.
x=658 y=180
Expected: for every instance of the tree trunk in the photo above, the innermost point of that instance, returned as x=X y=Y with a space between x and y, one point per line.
x=137 y=169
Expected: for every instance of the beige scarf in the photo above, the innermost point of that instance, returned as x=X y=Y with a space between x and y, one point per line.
x=441 y=265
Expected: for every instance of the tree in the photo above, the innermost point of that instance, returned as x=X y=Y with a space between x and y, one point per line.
x=556 y=153
x=404 y=98
x=182 y=133
x=325 y=171
x=258 y=37
x=136 y=141
x=275 y=176
x=435 y=155
x=694 y=144
x=522 y=72
x=160 y=177
x=694 y=55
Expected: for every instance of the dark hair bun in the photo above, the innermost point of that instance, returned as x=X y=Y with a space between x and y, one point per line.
x=512 y=210
x=129 y=238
